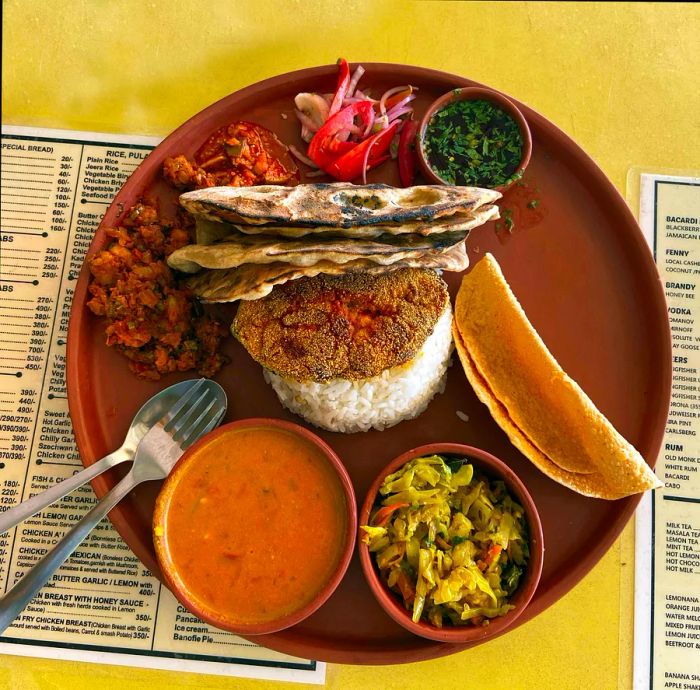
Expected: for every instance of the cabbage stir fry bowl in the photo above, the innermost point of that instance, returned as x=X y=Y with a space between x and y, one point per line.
x=450 y=543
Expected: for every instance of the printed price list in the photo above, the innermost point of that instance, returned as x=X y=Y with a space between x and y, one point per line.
x=54 y=193
x=675 y=638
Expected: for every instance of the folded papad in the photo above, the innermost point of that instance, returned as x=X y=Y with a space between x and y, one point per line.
x=338 y=204
x=252 y=281
x=544 y=412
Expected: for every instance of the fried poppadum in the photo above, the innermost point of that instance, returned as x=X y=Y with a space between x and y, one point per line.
x=544 y=412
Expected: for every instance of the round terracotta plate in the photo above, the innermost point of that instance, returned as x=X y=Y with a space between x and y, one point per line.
x=584 y=275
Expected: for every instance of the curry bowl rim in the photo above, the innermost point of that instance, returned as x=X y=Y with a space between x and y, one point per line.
x=183 y=593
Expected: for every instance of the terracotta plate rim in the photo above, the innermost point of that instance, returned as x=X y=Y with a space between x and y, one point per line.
x=285 y=641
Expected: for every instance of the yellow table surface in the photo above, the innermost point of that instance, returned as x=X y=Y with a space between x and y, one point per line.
x=620 y=78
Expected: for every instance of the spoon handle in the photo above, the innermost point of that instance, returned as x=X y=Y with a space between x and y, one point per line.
x=12 y=604
x=11 y=518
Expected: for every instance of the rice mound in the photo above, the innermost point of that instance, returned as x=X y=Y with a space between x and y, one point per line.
x=399 y=393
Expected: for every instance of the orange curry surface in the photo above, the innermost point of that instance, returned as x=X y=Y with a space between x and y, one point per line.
x=256 y=525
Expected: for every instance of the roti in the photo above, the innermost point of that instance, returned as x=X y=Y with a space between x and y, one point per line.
x=339 y=204
x=210 y=231
x=237 y=249
x=252 y=281
x=545 y=413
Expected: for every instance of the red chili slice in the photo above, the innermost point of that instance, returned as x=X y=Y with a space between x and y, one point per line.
x=407 y=152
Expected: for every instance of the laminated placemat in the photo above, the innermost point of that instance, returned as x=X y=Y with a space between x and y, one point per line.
x=667 y=577
x=102 y=605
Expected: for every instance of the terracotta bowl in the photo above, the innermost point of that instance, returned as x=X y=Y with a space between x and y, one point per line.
x=474 y=93
x=493 y=468
x=185 y=589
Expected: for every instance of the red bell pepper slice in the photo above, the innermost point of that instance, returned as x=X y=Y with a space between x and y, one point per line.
x=408 y=590
x=407 y=152
x=325 y=146
x=493 y=553
x=382 y=516
x=342 y=88
x=348 y=167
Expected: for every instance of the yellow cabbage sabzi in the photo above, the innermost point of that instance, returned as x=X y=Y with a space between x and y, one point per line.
x=451 y=543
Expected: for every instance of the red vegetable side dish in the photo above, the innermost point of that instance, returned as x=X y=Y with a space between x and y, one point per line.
x=149 y=318
x=238 y=155
x=251 y=526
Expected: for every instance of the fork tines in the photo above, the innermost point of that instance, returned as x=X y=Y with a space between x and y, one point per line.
x=184 y=419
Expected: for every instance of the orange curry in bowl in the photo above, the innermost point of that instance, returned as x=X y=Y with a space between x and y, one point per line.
x=255 y=526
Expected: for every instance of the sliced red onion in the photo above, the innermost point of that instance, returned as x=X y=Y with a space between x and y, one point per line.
x=365 y=158
x=357 y=99
x=380 y=122
x=398 y=114
x=370 y=123
x=355 y=78
x=306 y=121
x=387 y=94
x=345 y=134
x=300 y=156
x=391 y=114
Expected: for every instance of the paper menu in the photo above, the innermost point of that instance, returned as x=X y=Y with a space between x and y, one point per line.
x=667 y=606
x=102 y=605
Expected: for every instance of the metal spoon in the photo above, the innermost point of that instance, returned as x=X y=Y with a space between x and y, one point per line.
x=190 y=418
x=151 y=411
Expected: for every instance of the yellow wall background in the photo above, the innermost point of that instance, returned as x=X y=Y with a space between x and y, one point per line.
x=620 y=78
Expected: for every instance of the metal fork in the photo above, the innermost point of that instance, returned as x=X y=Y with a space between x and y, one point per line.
x=195 y=414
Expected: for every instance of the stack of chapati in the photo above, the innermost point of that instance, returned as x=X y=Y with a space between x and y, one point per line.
x=250 y=239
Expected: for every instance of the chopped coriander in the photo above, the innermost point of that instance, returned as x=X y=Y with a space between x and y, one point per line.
x=474 y=143
x=508 y=219
x=533 y=204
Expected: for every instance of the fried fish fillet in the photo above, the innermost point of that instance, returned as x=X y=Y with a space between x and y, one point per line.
x=352 y=326
x=239 y=249
x=252 y=281
x=209 y=231
x=339 y=204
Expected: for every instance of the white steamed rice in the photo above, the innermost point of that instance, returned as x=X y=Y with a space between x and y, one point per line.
x=399 y=393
